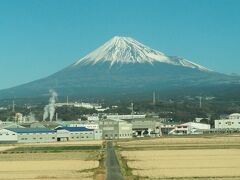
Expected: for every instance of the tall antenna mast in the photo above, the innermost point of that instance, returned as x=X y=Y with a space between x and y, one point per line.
x=132 y=110
x=200 y=102
x=154 y=97
x=13 y=106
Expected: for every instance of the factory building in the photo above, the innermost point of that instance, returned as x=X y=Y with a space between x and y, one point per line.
x=145 y=127
x=77 y=134
x=116 y=129
x=231 y=122
x=27 y=135
x=87 y=125
x=126 y=116
x=165 y=129
x=19 y=117
x=80 y=105
x=93 y=118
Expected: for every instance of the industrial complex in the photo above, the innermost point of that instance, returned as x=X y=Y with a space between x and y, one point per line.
x=102 y=125
x=115 y=128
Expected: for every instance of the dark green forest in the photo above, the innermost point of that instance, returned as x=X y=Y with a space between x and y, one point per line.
x=179 y=110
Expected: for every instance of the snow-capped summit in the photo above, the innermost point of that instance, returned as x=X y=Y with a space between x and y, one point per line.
x=127 y=50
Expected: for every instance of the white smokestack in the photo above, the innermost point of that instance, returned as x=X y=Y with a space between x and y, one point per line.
x=49 y=110
x=45 y=114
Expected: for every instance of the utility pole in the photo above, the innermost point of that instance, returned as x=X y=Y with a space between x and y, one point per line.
x=67 y=100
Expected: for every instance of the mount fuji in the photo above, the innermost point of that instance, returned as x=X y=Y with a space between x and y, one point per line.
x=125 y=50
x=125 y=67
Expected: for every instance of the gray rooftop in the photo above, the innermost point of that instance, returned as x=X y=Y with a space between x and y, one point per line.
x=31 y=130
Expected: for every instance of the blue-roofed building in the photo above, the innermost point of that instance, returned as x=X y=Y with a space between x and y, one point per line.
x=28 y=135
x=74 y=129
x=77 y=134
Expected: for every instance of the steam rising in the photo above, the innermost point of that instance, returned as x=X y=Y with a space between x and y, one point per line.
x=31 y=117
x=49 y=110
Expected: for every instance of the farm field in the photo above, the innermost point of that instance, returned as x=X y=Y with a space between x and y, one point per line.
x=50 y=161
x=181 y=158
x=4 y=148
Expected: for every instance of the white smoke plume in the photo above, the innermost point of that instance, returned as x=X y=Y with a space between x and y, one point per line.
x=49 y=110
x=31 y=117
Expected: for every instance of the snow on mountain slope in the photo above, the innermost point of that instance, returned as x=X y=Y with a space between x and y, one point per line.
x=127 y=50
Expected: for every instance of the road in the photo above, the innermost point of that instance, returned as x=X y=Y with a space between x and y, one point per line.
x=112 y=165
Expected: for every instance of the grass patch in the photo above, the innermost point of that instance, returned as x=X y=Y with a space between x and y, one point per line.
x=192 y=178
x=125 y=169
x=179 y=147
x=99 y=173
x=51 y=149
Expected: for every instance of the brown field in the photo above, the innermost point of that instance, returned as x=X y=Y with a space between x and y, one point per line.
x=85 y=156
x=60 y=165
x=4 y=148
x=48 y=169
x=182 y=158
x=182 y=141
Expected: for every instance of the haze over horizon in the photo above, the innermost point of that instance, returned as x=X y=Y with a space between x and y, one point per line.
x=39 y=38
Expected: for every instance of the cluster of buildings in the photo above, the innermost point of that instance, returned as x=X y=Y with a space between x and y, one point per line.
x=109 y=127
x=37 y=132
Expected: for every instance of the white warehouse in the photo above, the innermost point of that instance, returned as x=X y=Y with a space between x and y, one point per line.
x=27 y=135
x=190 y=128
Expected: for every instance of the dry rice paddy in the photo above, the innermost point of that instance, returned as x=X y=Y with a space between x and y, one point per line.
x=55 y=169
x=42 y=165
x=168 y=158
x=182 y=142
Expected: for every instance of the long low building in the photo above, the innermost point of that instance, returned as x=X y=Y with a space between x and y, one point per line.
x=27 y=135
x=126 y=116
x=45 y=135
x=77 y=134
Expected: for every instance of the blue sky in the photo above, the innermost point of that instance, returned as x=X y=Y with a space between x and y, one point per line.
x=40 y=37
